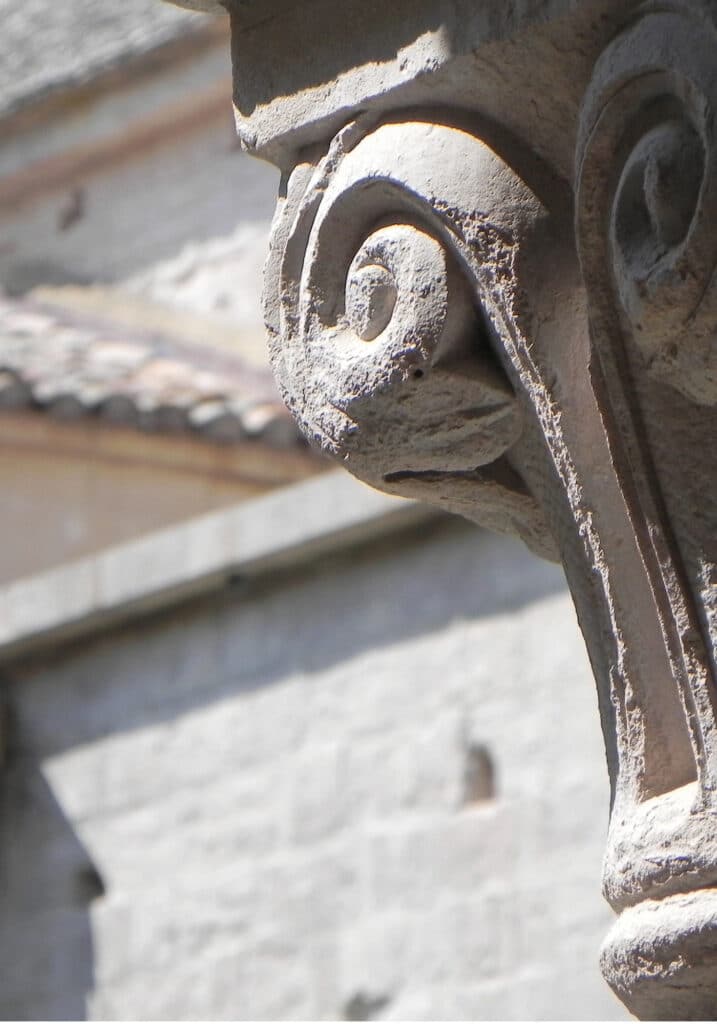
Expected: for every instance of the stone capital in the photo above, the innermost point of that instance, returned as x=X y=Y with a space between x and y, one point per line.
x=491 y=287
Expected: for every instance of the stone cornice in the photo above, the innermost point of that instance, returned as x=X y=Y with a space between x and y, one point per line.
x=524 y=73
x=267 y=535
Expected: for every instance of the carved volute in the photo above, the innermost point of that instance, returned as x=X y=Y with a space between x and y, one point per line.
x=391 y=301
x=491 y=286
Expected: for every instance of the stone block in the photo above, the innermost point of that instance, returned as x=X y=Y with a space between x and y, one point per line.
x=319 y=803
x=310 y=891
x=378 y=954
x=412 y=864
x=322 y=957
x=464 y=941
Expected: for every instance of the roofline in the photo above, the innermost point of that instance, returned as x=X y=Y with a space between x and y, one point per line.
x=255 y=538
x=47 y=174
x=46 y=101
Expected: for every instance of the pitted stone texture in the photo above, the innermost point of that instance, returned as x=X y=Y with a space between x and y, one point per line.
x=676 y=938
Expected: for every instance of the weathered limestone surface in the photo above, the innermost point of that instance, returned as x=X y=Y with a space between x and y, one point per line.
x=491 y=286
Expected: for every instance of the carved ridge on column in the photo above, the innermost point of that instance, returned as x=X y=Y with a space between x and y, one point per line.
x=646 y=213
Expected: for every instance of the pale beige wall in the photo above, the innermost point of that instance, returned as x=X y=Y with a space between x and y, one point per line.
x=69 y=489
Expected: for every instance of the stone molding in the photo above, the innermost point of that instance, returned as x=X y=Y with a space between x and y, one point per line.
x=491 y=287
x=271 y=534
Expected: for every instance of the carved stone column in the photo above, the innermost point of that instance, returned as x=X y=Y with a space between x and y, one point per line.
x=491 y=287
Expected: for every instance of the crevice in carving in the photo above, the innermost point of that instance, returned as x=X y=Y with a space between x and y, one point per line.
x=499 y=472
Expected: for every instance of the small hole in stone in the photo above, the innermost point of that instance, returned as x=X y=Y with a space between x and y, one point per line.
x=478 y=775
x=418 y=374
x=364 y=1007
x=88 y=885
x=237 y=582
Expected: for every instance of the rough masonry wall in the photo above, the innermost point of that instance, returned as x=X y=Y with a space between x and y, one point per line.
x=373 y=789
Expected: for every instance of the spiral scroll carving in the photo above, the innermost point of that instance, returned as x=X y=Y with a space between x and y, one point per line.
x=648 y=116
x=386 y=339
x=646 y=210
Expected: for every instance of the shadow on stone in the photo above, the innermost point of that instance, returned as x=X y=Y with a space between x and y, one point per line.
x=47 y=882
x=364 y=1007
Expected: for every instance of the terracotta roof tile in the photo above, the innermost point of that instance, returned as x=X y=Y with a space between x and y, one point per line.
x=72 y=365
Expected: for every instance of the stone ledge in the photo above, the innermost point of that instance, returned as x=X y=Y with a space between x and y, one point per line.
x=256 y=538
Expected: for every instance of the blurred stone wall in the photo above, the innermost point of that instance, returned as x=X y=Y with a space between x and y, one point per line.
x=372 y=788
